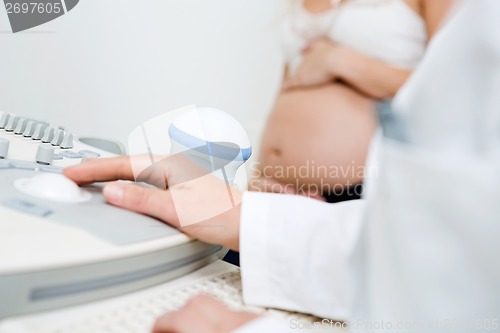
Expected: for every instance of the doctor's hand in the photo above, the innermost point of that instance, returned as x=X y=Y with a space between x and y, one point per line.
x=202 y=314
x=320 y=61
x=185 y=196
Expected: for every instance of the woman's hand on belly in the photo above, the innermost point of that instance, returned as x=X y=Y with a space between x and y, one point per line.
x=325 y=61
x=317 y=67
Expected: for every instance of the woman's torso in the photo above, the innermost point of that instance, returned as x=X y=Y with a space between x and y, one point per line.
x=331 y=125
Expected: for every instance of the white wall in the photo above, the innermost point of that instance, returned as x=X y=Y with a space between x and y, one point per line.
x=109 y=65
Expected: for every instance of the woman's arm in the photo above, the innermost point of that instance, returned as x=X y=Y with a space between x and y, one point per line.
x=376 y=78
x=434 y=12
x=325 y=61
x=370 y=76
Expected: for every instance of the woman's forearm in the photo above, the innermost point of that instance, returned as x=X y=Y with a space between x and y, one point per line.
x=370 y=76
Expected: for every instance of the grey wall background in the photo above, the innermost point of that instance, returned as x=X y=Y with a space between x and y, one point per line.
x=108 y=65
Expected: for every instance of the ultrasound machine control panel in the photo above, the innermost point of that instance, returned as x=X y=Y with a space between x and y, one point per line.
x=62 y=245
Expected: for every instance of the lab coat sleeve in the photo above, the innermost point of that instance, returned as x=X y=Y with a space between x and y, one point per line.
x=295 y=253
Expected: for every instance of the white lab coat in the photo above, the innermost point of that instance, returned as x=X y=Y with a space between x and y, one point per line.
x=421 y=252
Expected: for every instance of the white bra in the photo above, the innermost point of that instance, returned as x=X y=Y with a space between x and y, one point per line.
x=388 y=30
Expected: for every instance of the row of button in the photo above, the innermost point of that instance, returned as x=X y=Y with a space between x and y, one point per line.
x=37 y=130
x=45 y=153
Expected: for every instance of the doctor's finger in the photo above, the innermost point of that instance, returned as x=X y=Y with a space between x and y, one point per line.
x=100 y=170
x=190 y=318
x=170 y=323
x=180 y=322
x=149 y=201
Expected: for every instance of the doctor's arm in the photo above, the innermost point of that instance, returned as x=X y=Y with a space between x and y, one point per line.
x=294 y=250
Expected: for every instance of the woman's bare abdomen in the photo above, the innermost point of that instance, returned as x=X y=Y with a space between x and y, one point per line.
x=318 y=136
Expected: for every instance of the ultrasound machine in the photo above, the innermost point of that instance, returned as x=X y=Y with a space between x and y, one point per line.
x=69 y=262
x=62 y=245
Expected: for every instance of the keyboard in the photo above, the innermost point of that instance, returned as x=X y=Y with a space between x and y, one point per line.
x=137 y=312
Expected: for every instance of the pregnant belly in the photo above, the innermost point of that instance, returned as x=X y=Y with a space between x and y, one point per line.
x=325 y=131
